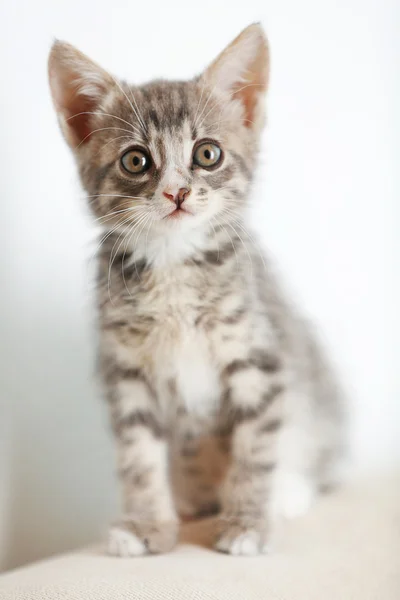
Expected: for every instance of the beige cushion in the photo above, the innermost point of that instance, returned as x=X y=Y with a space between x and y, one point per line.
x=347 y=548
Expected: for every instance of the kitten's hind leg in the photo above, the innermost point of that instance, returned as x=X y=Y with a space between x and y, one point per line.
x=294 y=485
x=292 y=496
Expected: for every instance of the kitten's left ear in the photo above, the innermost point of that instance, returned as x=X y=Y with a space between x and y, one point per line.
x=242 y=71
x=78 y=86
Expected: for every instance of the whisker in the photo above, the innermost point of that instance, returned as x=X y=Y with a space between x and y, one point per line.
x=205 y=105
x=130 y=103
x=100 y=129
x=231 y=240
x=215 y=235
x=214 y=107
x=244 y=245
x=223 y=108
x=104 y=238
x=113 y=255
x=116 y=212
x=114 y=140
x=241 y=226
x=144 y=219
x=198 y=105
x=123 y=260
x=114 y=196
x=227 y=119
x=147 y=235
x=134 y=128
x=139 y=114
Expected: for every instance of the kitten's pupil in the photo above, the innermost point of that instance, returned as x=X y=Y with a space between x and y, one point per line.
x=207 y=154
x=136 y=161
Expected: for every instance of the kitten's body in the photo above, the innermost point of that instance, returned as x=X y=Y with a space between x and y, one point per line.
x=218 y=392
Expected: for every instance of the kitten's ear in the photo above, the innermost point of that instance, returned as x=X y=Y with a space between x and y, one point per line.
x=77 y=86
x=242 y=71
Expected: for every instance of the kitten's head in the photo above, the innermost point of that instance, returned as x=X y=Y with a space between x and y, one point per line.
x=166 y=157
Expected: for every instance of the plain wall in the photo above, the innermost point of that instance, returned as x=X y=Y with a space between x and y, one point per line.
x=325 y=207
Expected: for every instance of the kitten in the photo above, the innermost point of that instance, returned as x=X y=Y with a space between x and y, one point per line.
x=220 y=397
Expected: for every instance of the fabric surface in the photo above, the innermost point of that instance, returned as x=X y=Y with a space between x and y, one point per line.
x=347 y=548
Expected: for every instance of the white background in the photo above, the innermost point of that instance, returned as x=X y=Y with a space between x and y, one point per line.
x=326 y=210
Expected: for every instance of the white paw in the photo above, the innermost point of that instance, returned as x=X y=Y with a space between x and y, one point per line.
x=245 y=544
x=124 y=543
x=239 y=541
x=292 y=497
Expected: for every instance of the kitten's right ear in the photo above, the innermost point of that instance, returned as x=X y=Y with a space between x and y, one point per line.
x=77 y=87
x=241 y=72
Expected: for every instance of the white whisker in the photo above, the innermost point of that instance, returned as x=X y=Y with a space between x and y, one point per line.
x=198 y=105
x=205 y=105
x=139 y=114
x=101 y=129
x=120 y=137
x=130 y=103
x=244 y=245
x=231 y=240
x=134 y=128
x=111 y=261
x=215 y=234
x=251 y=238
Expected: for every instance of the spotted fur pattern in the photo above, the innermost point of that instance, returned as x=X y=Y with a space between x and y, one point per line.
x=220 y=398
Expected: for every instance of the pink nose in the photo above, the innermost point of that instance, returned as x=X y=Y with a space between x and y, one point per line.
x=179 y=198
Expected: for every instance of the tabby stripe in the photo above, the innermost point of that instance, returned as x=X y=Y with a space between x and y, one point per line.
x=129 y=373
x=235 y=366
x=265 y=361
x=187 y=452
x=138 y=477
x=216 y=257
x=99 y=176
x=239 y=160
x=235 y=318
x=270 y=426
x=234 y=415
x=220 y=178
x=260 y=360
x=261 y=468
x=118 y=373
x=144 y=418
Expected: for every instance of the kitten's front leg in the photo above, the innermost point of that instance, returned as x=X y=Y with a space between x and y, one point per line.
x=150 y=523
x=252 y=410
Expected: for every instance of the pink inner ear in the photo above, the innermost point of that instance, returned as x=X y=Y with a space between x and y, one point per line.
x=254 y=85
x=71 y=104
x=248 y=99
x=79 y=123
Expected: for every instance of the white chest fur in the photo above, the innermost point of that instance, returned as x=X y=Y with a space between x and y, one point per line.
x=178 y=350
x=196 y=377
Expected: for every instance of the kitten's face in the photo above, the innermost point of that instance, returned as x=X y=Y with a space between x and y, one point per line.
x=183 y=157
x=165 y=156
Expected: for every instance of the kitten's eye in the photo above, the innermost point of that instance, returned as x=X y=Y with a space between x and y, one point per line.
x=136 y=161
x=207 y=155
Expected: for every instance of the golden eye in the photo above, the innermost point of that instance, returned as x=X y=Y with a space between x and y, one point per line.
x=136 y=161
x=207 y=155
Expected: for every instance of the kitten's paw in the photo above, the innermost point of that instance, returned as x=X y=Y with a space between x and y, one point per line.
x=292 y=497
x=134 y=538
x=124 y=543
x=242 y=539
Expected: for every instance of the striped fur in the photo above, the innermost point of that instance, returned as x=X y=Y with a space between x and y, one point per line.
x=219 y=394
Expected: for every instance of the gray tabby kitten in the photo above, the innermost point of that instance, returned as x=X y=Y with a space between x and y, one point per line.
x=219 y=396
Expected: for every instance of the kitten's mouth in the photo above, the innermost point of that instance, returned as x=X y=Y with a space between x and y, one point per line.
x=178 y=213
